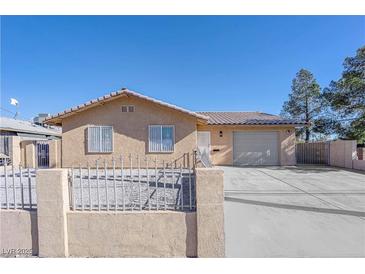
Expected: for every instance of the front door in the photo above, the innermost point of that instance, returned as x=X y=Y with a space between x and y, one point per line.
x=204 y=146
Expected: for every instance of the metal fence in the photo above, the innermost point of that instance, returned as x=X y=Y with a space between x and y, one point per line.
x=143 y=185
x=17 y=188
x=203 y=157
x=313 y=153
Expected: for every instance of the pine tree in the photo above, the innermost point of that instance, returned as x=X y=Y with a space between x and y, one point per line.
x=304 y=101
x=346 y=98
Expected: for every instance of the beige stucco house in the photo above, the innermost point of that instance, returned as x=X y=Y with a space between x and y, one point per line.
x=127 y=123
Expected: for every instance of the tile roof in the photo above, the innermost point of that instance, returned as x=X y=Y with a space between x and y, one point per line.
x=247 y=118
x=10 y=124
x=114 y=95
x=212 y=117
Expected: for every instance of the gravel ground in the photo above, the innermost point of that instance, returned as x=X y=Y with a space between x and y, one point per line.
x=148 y=192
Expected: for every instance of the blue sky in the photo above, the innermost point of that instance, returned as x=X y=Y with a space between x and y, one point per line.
x=200 y=63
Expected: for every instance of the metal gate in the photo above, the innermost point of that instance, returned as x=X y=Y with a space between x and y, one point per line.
x=43 y=154
x=316 y=153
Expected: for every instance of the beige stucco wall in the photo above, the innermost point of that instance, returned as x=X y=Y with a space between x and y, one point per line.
x=342 y=153
x=132 y=234
x=225 y=144
x=358 y=164
x=18 y=231
x=130 y=132
x=54 y=153
x=55 y=231
x=15 y=151
x=29 y=154
x=22 y=153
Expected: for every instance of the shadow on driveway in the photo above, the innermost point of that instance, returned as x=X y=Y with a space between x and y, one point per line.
x=296 y=207
x=301 y=169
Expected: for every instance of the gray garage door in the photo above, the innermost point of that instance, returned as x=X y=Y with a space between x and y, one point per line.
x=255 y=148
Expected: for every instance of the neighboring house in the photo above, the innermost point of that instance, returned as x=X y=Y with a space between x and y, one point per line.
x=18 y=140
x=128 y=123
x=27 y=130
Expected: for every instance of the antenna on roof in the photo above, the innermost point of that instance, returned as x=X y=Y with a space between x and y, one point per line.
x=15 y=103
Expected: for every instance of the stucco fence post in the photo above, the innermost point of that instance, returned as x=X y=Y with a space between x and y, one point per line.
x=54 y=153
x=52 y=207
x=28 y=154
x=210 y=213
x=14 y=148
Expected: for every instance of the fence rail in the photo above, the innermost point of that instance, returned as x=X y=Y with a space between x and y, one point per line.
x=17 y=187
x=203 y=158
x=153 y=186
x=143 y=185
x=313 y=153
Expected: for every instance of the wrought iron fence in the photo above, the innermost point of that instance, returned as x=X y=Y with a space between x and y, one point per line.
x=42 y=154
x=203 y=157
x=17 y=187
x=140 y=185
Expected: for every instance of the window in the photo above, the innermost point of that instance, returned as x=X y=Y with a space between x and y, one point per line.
x=161 y=138
x=100 y=139
x=126 y=108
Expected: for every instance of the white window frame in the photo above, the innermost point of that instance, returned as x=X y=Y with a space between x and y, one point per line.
x=173 y=139
x=88 y=139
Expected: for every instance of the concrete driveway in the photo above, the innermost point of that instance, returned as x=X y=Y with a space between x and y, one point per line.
x=306 y=211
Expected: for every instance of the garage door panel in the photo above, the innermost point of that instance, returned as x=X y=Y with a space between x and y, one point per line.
x=255 y=148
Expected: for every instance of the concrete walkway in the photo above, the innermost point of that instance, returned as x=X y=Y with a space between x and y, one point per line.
x=309 y=211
